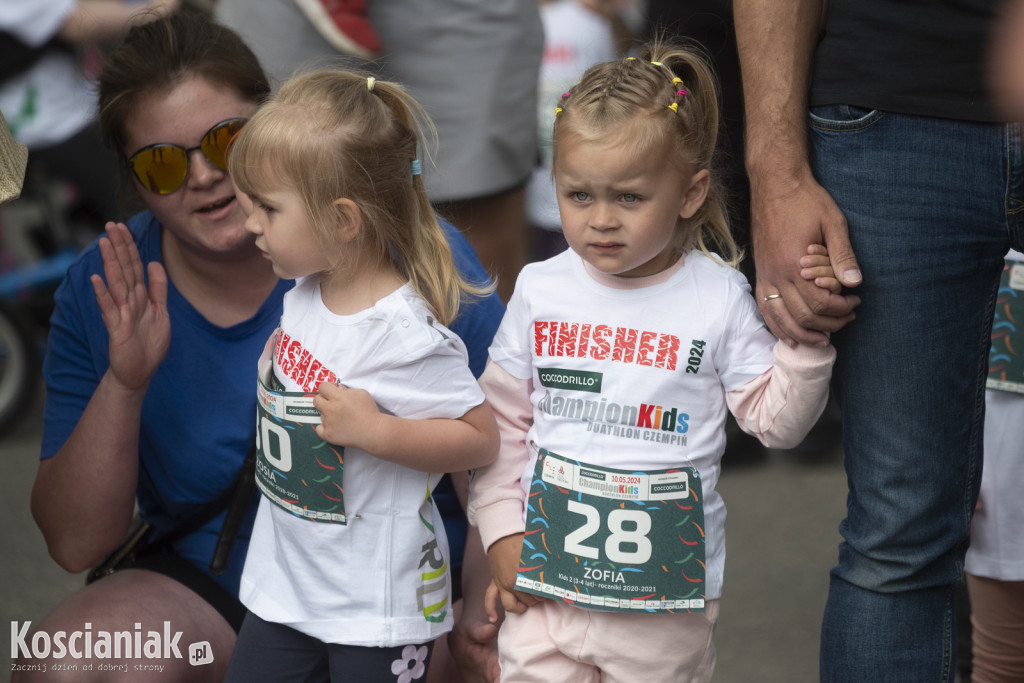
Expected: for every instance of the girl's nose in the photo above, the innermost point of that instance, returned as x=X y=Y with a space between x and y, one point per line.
x=252 y=225
x=602 y=217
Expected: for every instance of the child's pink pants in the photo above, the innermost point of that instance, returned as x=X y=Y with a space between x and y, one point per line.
x=553 y=641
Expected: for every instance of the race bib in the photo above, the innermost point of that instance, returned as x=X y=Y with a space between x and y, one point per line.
x=614 y=540
x=295 y=468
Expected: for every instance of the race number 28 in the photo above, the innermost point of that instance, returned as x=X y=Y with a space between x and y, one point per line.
x=623 y=545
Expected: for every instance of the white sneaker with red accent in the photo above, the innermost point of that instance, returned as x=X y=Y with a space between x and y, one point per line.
x=344 y=24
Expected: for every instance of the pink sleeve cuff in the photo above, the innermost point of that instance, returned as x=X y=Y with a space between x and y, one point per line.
x=498 y=520
x=781 y=405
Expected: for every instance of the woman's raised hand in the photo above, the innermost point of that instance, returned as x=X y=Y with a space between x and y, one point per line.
x=136 y=317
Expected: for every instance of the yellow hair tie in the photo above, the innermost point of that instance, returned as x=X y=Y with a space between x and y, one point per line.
x=558 y=110
x=676 y=80
x=630 y=59
x=674 y=106
x=657 y=64
x=369 y=83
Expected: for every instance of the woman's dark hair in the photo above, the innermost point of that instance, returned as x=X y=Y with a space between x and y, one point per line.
x=157 y=55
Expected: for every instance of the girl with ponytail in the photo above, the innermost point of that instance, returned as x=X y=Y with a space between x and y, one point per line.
x=611 y=375
x=365 y=396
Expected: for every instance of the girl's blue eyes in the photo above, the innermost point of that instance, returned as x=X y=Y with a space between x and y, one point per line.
x=626 y=198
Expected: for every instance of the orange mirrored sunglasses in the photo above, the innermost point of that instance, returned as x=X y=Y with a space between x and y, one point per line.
x=163 y=167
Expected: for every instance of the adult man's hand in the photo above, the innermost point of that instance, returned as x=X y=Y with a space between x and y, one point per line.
x=789 y=215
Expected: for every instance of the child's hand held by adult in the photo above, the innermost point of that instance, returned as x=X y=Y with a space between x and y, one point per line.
x=788 y=215
x=815 y=266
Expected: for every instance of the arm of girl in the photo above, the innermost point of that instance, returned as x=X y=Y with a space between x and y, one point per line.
x=496 y=497
x=352 y=418
x=781 y=405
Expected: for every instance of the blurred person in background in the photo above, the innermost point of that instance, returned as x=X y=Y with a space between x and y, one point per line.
x=995 y=559
x=49 y=100
x=577 y=34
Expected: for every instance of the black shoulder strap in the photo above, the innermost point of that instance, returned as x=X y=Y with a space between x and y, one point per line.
x=243 y=490
x=207 y=511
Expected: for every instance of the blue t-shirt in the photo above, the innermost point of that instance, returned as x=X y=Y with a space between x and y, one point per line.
x=199 y=414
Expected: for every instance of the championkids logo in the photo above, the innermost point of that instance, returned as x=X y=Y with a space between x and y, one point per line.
x=90 y=645
x=647 y=421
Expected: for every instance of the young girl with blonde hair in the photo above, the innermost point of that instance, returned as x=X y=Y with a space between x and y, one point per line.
x=610 y=377
x=364 y=394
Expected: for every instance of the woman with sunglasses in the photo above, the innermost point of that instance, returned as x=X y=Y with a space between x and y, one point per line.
x=149 y=368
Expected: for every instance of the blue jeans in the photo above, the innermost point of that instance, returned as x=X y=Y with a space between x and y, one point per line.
x=932 y=207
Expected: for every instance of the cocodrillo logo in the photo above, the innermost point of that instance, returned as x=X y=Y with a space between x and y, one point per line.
x=576 y=380
x=89 y=645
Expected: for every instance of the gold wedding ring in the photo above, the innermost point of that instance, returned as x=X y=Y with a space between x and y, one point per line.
x=770 y=297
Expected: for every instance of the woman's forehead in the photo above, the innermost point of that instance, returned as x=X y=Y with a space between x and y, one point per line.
x=182 y=113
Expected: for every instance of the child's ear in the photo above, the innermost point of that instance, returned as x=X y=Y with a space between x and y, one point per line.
x=350 y=219
x=695 y=195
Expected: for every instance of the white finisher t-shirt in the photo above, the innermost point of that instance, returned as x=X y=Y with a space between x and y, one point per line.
x=635 y=379
x=369 y=582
